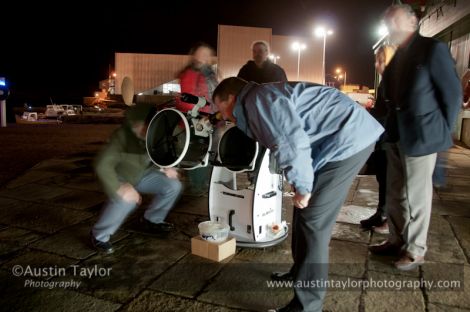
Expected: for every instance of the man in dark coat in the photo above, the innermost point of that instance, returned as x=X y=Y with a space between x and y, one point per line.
x=261 y=69
x=424 y=96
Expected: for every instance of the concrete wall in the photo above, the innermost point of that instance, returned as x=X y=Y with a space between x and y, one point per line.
x=234 y=47
x=147 y=70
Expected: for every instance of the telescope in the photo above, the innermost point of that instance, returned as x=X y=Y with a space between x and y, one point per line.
x=243 y=192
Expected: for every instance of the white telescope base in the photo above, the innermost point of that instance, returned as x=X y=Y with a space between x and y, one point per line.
x=251 y=211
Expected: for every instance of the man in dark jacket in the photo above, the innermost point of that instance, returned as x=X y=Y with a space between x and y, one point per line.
x=125 y=170
x=261 y=69
x=424 y=96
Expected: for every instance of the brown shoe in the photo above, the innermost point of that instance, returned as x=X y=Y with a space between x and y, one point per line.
x=409 y=262
x=381 y=229
x=385 y=249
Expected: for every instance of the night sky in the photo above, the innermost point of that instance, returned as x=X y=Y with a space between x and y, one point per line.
x=63 y=51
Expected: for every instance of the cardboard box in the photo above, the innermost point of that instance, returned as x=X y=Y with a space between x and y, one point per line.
x=213 y=251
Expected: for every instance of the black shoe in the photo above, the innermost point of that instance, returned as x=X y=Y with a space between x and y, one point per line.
x=375 y=220
x=162 y=227
x=105 y=247
x=282 y=276
x=385 y=248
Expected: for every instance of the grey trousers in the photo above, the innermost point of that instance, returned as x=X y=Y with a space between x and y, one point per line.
x=409 y=199
x=313 y=225
x=166 y=192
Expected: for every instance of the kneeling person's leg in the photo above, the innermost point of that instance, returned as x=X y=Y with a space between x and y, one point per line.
x=166 y=191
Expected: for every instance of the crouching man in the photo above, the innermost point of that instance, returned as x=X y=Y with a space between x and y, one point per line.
x=125 y=171
x=321 y=139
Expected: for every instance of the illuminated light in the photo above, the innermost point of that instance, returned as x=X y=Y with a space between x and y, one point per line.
x=2 y=83
x=382 y=31
x=140 y=93
x=322 y=32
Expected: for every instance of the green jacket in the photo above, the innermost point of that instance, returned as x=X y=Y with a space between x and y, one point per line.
x=124 y=159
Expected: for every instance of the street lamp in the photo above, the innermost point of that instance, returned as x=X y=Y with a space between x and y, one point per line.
x=298 y=47
x=274 y=58
x=322 y=32
x=338 y=71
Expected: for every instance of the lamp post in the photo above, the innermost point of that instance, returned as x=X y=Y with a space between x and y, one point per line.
x=322 y=32
x=341 y=75
x=298 y=47
x=274 y=58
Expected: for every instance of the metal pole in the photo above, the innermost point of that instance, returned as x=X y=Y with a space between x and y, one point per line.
x=324 y=48
x=298 y=63
x=345 y=78
x=3 y=112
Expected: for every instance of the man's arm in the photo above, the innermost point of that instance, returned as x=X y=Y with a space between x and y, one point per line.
x=446 y=82
x=105 y=165
x=276 y=125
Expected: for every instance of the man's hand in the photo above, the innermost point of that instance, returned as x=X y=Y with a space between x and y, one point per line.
x=301 y=201
x=171 y=173
x=128 y=193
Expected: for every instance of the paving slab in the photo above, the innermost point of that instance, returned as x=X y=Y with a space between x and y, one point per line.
x=444 y=249
x=73 y=242
x=244 y=286
x=388 y=295
x=150 y=301
x=432 y=307
x=188 y=277
x=36 y=261
x=74 y=181
x=136 y=262
x=56 y=165
x=31 y=176
x=366 y=197
x=13 y=239
x=354 y=214
x=339 y=299
x=458 y=296
x=461 y=227
x=81 y=200
x=439 y=225
x=452 y=208
x=347 y=258
x=34 y=192
x=279 y=254
x=45 y=218
x=19 y=296
x=350 y=232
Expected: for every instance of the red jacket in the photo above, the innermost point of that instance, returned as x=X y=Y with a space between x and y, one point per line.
x=194 y=82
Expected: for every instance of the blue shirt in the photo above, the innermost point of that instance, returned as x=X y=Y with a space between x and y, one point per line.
x=305 y=126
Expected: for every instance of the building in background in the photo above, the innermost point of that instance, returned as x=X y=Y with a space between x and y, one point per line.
x=156 y=73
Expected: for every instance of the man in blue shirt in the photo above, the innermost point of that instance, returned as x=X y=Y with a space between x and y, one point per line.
x=321 y=139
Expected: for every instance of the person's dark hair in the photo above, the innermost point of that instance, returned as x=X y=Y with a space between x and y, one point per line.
x=232 y=85
x=200 y=44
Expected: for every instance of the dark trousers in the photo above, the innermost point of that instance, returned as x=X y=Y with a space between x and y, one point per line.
x=312 y=227
x=379 y=160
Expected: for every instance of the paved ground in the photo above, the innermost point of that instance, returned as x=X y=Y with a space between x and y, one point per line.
x=46 y=214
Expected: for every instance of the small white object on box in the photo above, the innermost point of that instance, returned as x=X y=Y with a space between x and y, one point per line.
x=213 y=231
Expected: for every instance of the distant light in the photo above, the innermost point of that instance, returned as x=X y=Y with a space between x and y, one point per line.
x=97 y=94
x=114 y=74
x=338 y=70
x=322 y=32
x=140 y=93
x=30 y=107
x=2 y=83
x=382 y=31
x=298 y=46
